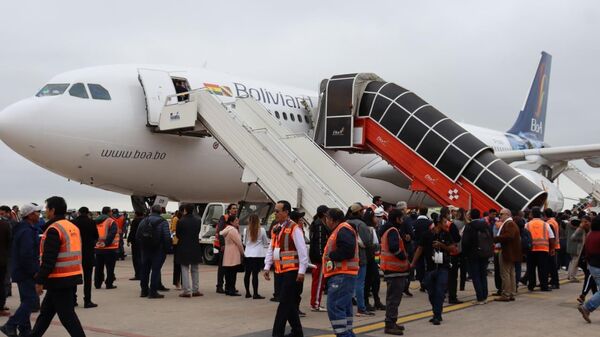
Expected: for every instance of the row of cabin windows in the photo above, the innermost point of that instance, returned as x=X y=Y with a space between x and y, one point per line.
x=292 y=117
x=77 y=90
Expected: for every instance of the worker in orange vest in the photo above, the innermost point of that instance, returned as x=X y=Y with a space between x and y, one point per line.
x=121 y=220
x=396 y=268
x=542 y=239
x=340 y=268
x=289 y=255
x=60 y=270
x=106 y=249
x=553 y=259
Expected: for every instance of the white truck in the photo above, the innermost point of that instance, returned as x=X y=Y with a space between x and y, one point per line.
x=212 y=212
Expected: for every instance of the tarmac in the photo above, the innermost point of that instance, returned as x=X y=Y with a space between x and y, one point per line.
x=121 y=312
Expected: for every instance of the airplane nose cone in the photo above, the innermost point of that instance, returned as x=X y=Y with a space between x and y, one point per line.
x=20 y=125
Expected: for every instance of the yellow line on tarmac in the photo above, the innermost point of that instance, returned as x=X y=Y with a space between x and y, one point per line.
x=426 y=314
x=407 y=318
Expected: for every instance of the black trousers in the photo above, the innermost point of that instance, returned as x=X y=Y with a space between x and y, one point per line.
x=539 y=261
x=176 y=269
x=2 y=288
x=108 y=259
x=287 y=311
x=463 y=271
x=553 y=270
x=253 y=266
x=88 y=268
x=230 y=279
x=420 y=271
x=393 y=297
x=136 y=259
x=220 y=271
x=453 y=277
x=58 y=301
x=372 y=282
x=277 y=283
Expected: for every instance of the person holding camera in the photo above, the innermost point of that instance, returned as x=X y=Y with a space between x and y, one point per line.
x=435 y=246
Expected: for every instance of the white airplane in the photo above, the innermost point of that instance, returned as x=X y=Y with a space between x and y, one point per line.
x=94 y=126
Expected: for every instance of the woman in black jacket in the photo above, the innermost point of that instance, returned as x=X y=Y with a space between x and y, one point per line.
x=189 y=251
x=372 y=280
x=318 y=239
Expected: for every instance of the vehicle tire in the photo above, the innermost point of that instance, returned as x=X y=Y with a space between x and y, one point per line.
x=208 y=255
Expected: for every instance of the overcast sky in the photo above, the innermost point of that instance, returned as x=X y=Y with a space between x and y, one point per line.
x=473 y=60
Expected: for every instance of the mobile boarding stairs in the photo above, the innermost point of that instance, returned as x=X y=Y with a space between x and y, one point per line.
x=358 y=113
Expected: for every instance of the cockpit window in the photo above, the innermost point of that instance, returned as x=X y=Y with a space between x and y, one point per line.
x=53 y=89
x=78 y=90
x=98 y=92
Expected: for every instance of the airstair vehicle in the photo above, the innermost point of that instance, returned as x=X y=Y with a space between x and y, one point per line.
x=361 y=112
x=358 y=113
x=583 y=181
x=285 y=165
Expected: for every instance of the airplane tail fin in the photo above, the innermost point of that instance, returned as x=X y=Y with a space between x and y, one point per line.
x=532 y=119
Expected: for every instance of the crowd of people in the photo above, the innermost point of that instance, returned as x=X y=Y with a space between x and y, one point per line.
x=347 y=252
x=441 y=251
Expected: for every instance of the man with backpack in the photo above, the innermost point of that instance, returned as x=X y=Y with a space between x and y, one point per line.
x=478 y=247
x=155 y=239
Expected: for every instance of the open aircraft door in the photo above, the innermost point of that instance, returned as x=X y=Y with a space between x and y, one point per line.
x=158 y=87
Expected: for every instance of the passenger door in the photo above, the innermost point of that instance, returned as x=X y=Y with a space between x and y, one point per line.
x=157 y=85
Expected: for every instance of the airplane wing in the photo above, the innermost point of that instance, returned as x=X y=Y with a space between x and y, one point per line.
x=590 y=153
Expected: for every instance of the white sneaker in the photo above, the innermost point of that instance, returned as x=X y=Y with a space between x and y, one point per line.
x=481 y=302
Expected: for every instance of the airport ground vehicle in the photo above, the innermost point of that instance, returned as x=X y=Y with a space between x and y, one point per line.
x=212 y=212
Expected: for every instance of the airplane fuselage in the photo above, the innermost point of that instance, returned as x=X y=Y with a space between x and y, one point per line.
x=107 y=143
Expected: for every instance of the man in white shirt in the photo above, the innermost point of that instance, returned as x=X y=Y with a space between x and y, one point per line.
x=290 y=258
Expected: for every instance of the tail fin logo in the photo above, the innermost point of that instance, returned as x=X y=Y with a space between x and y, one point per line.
x=537 y=127
x=541 y=92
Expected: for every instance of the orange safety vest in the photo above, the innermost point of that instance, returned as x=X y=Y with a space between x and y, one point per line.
x=556 y=228
x=68 y=262
x=389 y=260
x=348 y=267
x=120 y=223
x=540 y=238
x=103 y=228
x=216 y=241
x=288 y=255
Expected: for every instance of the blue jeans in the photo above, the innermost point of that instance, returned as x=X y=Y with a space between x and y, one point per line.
x=359 y=288
x=152 y=262
x=28 y=298
x=478 y=272
x=594 y=302
x=340 y=289
x=436 y=283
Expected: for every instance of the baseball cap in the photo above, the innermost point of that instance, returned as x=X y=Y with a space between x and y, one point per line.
x=30 y=208
x=296 y=214
x=322 y=209
x=356 y=207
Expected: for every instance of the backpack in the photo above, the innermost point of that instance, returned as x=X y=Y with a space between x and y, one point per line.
x=526 y=241
x=485 y=244
x=148 y=233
